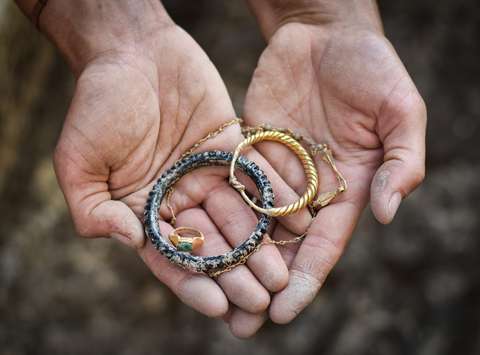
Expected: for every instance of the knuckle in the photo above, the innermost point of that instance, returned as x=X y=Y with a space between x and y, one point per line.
x=82 y=231
x=83 y=228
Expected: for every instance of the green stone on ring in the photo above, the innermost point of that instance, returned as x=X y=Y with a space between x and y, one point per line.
x=185 y=246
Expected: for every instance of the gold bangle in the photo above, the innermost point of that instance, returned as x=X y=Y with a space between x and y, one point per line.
x=302 y=154
x=193 y=240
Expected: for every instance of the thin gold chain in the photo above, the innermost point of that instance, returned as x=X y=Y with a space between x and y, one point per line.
x=266 y=240
x=211 y=135
x=322 y=199
x=197 y=144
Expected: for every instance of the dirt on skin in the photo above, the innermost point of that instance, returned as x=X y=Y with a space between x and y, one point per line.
x=412 y=287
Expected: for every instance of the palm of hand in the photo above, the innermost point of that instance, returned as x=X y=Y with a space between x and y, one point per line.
x=346 y=88
x=130 y=119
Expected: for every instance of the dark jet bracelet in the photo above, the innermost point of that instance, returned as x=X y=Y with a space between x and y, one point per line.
x=211 y=265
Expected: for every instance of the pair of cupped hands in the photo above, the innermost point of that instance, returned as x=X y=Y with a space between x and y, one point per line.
x=145 y=92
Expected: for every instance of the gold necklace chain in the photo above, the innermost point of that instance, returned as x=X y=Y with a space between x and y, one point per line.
x=322 y=199
x=266 y=240
x=190 y=150
x=210 y=135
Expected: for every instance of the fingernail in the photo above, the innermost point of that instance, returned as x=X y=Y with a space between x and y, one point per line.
x=394 y=203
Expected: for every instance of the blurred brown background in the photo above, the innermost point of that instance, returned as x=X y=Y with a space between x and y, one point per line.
x=409 y=288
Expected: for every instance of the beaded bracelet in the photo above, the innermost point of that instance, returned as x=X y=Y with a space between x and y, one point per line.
x=210 y=265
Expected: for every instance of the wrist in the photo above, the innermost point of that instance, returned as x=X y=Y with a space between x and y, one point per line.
x=273 y=14
x=83 y=30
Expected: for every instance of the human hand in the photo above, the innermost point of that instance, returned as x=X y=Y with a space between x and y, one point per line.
x=145 y=93
x=330 y=74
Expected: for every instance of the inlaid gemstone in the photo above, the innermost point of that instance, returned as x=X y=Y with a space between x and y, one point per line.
x=185 y=246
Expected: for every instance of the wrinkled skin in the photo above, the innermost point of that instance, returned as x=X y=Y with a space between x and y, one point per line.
x=344 y=86
x=133 y=114
x=146 y=92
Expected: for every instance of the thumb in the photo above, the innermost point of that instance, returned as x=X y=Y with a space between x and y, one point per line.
x=402 y=129
x=93 y=211
x=113 y=219
x=109 y=218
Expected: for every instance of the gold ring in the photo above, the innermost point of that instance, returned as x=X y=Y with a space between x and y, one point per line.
x=186 y=238
x=302 y=154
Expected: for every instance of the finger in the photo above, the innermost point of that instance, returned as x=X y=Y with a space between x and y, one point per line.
x=236 y=221
x=316 y=257
x=284 y=194
x=195 y=290
x=402 y=129
x=239 y=284
x=114 y=219
x=288 y=251
x=94 y=213
x=193 y=188
x=243 y=324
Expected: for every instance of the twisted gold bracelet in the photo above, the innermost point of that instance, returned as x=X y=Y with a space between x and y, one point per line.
x=302 y=154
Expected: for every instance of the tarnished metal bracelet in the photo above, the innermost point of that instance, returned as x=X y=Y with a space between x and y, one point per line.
x=302 y=154
x=211 y=265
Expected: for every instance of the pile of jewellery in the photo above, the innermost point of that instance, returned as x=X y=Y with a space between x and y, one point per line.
x=185 y=240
